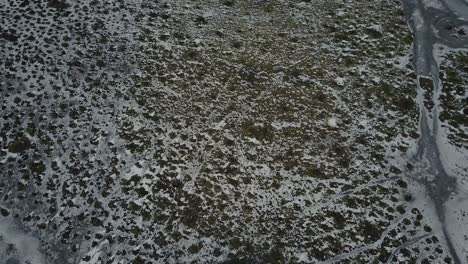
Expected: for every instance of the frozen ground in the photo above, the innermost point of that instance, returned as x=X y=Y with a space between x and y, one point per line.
x=227 y=131
x=440 y=41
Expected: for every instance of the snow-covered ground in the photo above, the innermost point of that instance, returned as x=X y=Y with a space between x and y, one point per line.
x=218 y=132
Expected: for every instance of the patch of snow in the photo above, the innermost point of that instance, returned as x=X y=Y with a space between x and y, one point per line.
x=332 y=122
x=28 y=247
x=340 y=81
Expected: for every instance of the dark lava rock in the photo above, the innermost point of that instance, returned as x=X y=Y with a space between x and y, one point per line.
x=408 y=197
x=21 y=144
x=38 y=167
x=426 y=83
x=57 y=4
x=4 y=212
x=229 y=3
x=9 y=36
x=201 y=20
